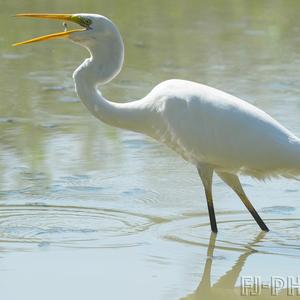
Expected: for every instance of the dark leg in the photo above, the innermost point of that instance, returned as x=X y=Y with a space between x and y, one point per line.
x=234 y=182
x=206 y=173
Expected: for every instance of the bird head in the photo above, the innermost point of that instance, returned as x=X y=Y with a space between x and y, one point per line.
x=97 y=33
x=95 y=29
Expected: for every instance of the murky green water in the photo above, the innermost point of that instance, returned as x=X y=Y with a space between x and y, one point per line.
x=92 y=212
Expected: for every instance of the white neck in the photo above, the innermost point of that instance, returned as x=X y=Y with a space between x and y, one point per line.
x=103 y=65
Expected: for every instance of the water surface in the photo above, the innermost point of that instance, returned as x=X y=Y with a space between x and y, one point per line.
x=92 y=212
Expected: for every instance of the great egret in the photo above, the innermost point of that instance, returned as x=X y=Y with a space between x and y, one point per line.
x=211 y=129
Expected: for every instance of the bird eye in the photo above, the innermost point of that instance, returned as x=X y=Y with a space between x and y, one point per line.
x=88 y=22
x=85 y=22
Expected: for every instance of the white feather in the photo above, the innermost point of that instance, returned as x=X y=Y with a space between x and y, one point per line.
x=204 y=124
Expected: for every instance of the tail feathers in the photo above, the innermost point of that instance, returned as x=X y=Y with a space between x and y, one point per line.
x=286 y=163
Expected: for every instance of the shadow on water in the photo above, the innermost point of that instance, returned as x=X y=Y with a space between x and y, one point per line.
x=226 y=286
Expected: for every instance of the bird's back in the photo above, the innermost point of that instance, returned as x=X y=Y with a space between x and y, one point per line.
x=204 y=124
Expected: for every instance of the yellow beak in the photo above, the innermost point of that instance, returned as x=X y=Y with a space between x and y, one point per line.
x=65 y=17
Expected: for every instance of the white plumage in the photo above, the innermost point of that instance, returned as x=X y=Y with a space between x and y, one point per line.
x=215 y=131
x=207 y=125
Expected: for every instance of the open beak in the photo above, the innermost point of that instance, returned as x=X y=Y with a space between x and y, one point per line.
x=65 y=17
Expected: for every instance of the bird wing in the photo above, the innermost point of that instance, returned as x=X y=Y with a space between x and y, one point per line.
x=208 y=125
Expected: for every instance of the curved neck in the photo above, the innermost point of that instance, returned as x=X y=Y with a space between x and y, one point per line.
x=93 y=72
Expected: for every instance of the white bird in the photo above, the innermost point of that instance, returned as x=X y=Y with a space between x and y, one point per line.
x=213 y=130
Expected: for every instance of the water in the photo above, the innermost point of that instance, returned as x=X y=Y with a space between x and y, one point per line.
x=92 y=212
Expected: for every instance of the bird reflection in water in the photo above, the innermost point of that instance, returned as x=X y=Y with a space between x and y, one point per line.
x=226 y=288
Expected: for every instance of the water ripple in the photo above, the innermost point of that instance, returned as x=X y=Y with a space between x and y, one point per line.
x=234 y=234
x=89 y=227
x=71 y=226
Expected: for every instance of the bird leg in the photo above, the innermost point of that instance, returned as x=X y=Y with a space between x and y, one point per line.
x=234 y=182
x=206 y=173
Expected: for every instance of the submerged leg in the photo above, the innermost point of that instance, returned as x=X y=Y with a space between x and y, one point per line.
x=234 y=182
x=206 y=173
